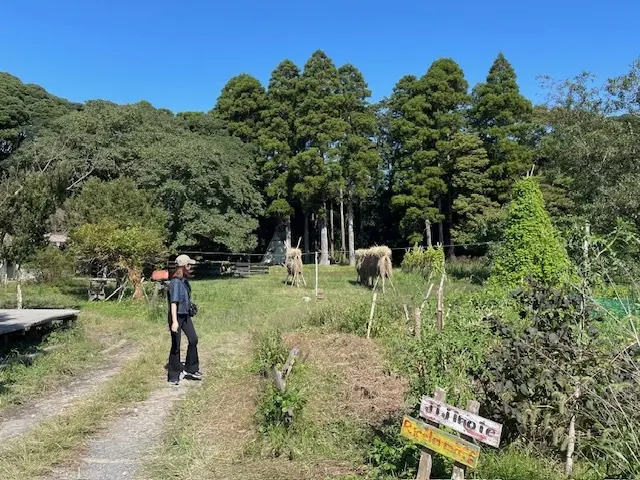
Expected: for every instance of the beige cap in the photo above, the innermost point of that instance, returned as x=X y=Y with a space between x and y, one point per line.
x=182 y=260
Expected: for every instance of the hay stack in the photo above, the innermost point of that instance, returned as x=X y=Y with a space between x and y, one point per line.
x=374 y=263
x=293 y=262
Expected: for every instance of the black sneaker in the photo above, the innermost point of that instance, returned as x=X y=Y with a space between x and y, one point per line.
x=193 y=376
x=174 y=383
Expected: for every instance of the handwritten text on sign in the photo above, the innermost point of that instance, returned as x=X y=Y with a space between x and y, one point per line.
x=475 y=426
x=440 y=442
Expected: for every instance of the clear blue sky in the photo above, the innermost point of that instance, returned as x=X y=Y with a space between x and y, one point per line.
x=179 y=54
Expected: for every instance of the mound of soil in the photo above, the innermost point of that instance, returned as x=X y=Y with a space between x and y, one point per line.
x=353 y=367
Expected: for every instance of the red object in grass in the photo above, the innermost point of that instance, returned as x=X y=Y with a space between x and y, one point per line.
x=159 y=275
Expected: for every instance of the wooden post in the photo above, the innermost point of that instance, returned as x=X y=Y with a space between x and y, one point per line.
x=417 y=322
x=426 y=457
x=373 y=308
x=316 y=261
x=459 y=469
x=439 y=321
x=417 y=313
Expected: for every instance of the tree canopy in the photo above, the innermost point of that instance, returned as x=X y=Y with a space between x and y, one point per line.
x=436 y=161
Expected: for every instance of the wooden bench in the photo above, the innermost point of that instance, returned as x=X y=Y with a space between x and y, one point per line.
x=245 y=269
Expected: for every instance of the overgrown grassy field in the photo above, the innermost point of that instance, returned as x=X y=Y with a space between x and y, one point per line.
x=348 y=393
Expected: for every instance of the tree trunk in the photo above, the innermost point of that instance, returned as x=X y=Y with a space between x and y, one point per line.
x=135 y=277
x=352 y=240
x=324 y=238
x=440 y=225
x=287 y=231
x=343 y=238
x=332 y=234
x=452 y=248
x=19 y=287
x=427 y=230
x=306 y=233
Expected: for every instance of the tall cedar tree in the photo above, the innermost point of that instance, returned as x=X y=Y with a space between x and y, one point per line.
x=446 y=95
x=438 y=168
x=240 y=106
x=357 y=148
x=278 y=143
x=416 y=176
x=502 y=117
x=318 y=126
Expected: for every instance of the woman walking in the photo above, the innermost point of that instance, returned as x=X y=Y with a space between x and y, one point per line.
x=181 y=312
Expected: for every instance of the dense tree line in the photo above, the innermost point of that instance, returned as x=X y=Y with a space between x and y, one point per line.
x=432 y=163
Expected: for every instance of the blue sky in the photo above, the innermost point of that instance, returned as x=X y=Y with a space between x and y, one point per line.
x=179 y=55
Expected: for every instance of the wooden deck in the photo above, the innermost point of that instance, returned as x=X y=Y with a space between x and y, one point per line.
x=22 y=320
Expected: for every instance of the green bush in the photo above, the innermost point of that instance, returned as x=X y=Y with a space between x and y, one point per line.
x=530 y=246
x=51 y=265
x=560 y=366
x=269 y=351
x=446 y=359
x=429 y=261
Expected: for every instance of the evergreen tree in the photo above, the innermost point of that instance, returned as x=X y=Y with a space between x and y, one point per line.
x=359 y=157
x=240 y=106
x=446 y=94
x=318 y=126
x=471 y=208
x=416 y=178
x=426 y=114
x=278 y=143
x=502 y=117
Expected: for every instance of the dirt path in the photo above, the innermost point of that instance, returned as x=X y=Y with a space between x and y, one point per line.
x=20 y=420
x=117 y=452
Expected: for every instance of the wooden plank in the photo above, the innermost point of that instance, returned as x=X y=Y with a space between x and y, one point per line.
x=458 y=469
x=426 y=456
x=467 y=423
x=14 y=320
x=440 y=442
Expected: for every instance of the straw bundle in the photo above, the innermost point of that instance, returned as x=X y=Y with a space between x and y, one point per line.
x=293 y=262
x=372 y=264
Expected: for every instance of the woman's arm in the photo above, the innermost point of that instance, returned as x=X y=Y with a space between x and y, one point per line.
x=174 y=317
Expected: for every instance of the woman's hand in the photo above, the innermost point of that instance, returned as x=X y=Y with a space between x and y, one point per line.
x=174 y=317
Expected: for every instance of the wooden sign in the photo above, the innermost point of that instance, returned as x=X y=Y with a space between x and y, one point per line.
x=440 y=442
x=467 y=423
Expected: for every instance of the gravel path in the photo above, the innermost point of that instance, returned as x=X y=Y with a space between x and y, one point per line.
x=20 y=420
x=117 y=452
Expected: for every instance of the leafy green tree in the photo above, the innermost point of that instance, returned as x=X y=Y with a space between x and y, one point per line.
x=318 y=126
x=119 y=200
x=116 y=225
x=207 y=187
x=530 y=246
x=278 y=143
x=205 y=183
x=240 y=106
x=130 y=248
x=359 y=159
x=23 y=109
x=592 y=144
x=502 y=117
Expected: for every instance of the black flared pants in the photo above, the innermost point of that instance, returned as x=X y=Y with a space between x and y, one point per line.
x=191 y=364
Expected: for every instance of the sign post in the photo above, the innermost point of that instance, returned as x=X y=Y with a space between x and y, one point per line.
x=462 y=449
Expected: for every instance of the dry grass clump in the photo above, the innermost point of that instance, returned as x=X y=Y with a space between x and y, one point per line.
x=373 y=264
x=293 y=262
x=365 y=392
